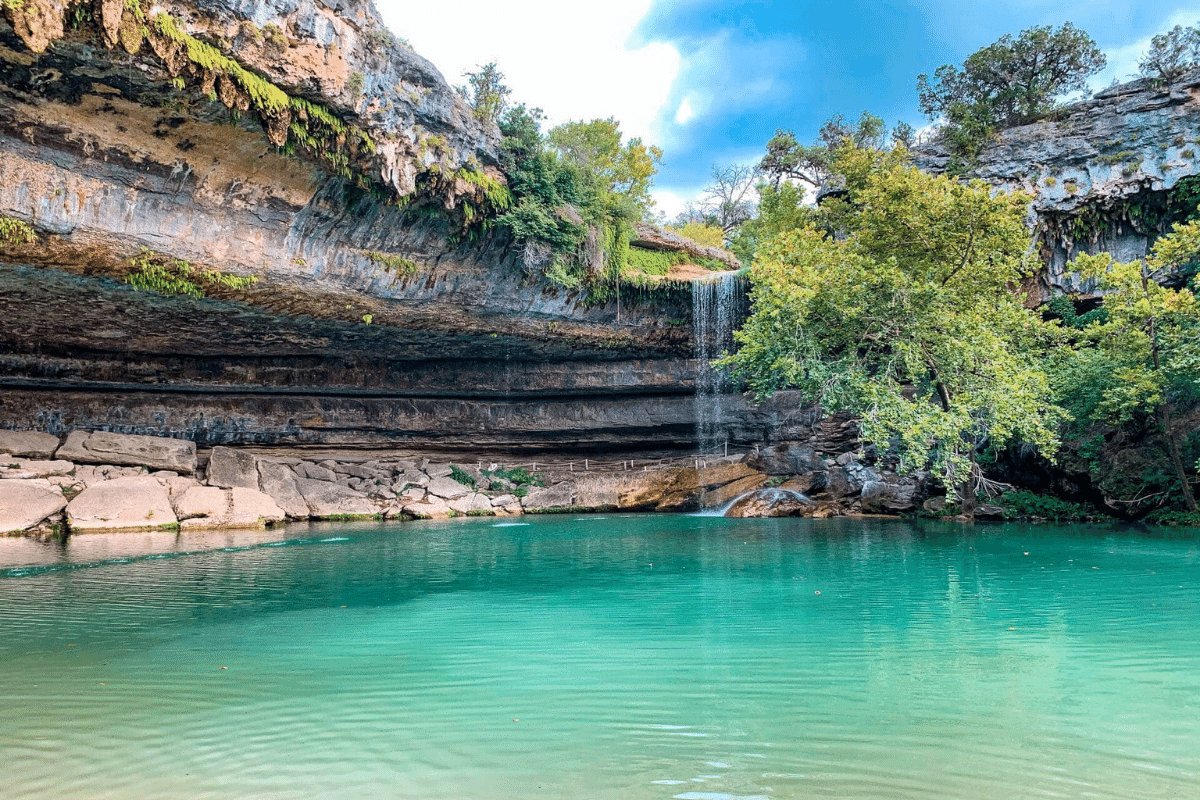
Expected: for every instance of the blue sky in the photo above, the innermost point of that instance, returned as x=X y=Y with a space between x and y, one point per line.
x=711 y=81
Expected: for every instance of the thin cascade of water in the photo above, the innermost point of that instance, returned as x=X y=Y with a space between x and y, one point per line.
x=718 y=306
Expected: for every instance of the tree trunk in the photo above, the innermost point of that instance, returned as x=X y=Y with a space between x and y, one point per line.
x=1176 y=459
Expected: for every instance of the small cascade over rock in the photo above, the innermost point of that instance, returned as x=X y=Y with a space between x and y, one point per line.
x=719 y=305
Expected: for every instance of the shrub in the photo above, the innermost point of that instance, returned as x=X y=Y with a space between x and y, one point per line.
x=1023 y=505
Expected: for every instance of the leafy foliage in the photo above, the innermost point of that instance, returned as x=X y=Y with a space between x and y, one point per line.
x=906 y=317
x=457 y=473
x=156 y=273
x=700 y=233
x=787 y=159
x=486 y=92
x=595 y=147
x=1171 y=54
x=13 y=231
x=1144 y=355
x=1028 y=505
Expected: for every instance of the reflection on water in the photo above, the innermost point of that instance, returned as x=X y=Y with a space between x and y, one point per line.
x=630 y=657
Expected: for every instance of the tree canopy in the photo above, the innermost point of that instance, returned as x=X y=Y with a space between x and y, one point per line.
x=1010 y=82
x=595 y=147
x=787 y=159
x=1171 y=53
x=906 y=317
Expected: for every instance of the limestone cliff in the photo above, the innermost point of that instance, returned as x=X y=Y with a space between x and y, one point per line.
x=1108 y=173
x=298 y=143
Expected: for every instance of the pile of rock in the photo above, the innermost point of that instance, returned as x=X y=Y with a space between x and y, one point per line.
x=107 y=481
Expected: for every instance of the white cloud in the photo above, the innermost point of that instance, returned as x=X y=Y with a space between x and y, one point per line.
x=571 y=60
x=685 y=112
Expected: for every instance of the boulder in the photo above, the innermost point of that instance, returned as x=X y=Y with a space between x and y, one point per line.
x=848 y=480
x=432 y=508
x=20 y=468
x=330 y=500
x=560 y=495
x=228 y=467
x=772 y=502
x=990 y=511
x=28 y=443
x=503 y=500
x=214 y=507
x=878 y=497
x=808 y=483
x=472 y=503
x=447 y=489
x=122 y=504
x=88 y=475
x=152 y=452
x=24 y=504
x=278 y=482
x=438 y=470
x=789 y=458
x=314 y=472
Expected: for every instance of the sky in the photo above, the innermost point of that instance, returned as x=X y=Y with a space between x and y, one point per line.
x=710 y=82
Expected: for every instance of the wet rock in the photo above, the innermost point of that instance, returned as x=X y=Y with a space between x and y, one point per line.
x=990 y=511
x=141 y=503
x=807 y=484
x=935 y=505
x=715 y=498
x=228 y=467
x=447 y=489
x=28 y=443
x=278 y=482
x=877 y=497
x=24 y=504
x=330 y=500
x=789 y=458
x=772 y=502
x=152 y=452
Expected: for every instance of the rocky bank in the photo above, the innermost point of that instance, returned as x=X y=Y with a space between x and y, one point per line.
x=101 y=481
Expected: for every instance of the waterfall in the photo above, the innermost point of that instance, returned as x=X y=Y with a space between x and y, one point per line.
x=718 y=306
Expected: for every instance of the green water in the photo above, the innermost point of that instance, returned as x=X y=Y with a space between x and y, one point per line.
x=588 y=657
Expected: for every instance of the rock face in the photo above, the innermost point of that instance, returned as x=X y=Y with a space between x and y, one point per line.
x=1100 y=172
x=654 y=238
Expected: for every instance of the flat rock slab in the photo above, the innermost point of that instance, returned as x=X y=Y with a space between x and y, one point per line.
x=21 y=468
x=331 y=500
x=24 y=504
x=152 y=452
x=122 y=504
x=28 y=443
x=213 y=507
x=228 y=468
x=434 y=508
x=472 y=503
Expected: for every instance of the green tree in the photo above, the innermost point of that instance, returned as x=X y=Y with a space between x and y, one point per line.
x=1010 y=82
x=595 y=146
x=788 y=160
x=486 y=92
x=1171 y=54
x=907 y=319
x=1149 y=339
